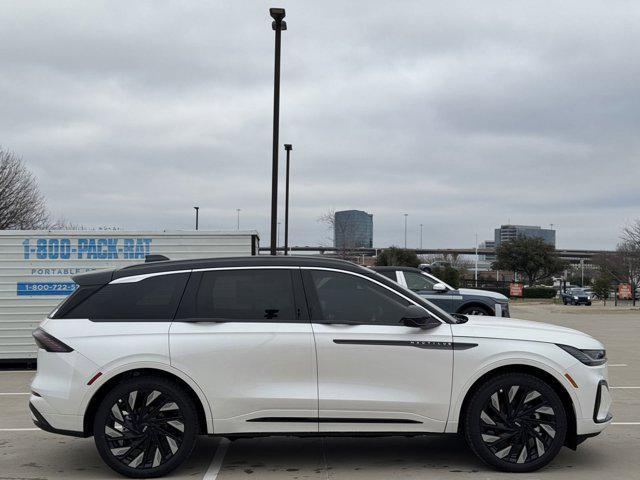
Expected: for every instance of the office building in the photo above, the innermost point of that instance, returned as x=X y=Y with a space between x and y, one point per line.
x=510 y=232
x=353 y=229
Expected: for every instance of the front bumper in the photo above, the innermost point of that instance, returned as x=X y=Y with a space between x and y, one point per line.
x=593 y=406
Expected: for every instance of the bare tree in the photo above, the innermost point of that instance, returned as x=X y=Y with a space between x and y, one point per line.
x=623 y=265
x=631 y=235
x=22 y=205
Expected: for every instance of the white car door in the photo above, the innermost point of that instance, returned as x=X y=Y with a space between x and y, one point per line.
x=243 y=336
x=374 y=373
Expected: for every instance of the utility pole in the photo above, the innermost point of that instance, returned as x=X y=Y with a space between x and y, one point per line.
x=238 y=221
x=278 y=25
x=421 y=225
x=405 y=229
x=196 y=209
x=287 y=147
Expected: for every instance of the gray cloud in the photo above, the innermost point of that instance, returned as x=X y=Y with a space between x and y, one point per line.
x=463 y=115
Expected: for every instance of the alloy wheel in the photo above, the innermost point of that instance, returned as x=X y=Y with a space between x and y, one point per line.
x=476 y=311
x=144 y=428
x=518 y=424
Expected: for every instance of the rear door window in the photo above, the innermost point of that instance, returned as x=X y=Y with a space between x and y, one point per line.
x=154 y=298
x=245 y=295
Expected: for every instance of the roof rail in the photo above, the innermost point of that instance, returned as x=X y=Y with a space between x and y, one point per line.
x=155 y=258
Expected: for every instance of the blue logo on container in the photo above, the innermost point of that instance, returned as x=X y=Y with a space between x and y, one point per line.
x=45 y=288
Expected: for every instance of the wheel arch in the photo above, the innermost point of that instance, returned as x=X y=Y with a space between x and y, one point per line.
x=571 y=439
x=106 y=386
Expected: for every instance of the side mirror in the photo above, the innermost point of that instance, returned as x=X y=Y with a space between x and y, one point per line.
x=439 y=287
x=417 y=317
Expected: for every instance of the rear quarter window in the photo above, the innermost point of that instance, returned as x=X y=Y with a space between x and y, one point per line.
x=154 y=298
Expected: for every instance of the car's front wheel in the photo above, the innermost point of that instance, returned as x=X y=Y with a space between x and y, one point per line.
x=145 y=427
x=515 y=422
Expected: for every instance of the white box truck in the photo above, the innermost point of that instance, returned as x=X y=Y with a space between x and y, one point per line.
x=36 y=268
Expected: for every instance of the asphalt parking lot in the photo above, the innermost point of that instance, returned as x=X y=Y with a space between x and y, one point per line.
x=28 y=453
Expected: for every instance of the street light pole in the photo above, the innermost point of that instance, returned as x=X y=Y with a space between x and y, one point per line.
x=476 y=272
x=421 y=225
x=238 y=220
x=405 y=229
x=279 y=233
x=278 y=25
x=196 y=209
x=288 y=147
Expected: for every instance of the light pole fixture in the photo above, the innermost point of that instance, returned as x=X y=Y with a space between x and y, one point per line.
x=197 y=209
x=238 y=219
x=405 y=229
x=288 y=147
x=278 y=25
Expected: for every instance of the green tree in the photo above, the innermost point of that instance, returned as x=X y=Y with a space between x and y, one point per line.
x=397 y=257
x=447 y=274
x=531 y=257
x=602 y=287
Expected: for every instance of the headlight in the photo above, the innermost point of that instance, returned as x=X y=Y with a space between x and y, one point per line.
x=575 y=297
x=588 y=357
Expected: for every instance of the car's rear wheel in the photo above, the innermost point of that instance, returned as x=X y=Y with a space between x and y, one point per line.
x=515 y=422
x=145 y=427
x=475 y=310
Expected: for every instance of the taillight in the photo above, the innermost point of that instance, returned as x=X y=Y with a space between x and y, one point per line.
x=49 y=343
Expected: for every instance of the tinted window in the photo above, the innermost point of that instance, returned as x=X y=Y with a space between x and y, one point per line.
x=344 y=298
x=245 y=295
x=155 y=298
x=416 y=281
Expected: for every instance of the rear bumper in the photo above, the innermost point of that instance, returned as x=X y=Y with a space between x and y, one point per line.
x=43 y=424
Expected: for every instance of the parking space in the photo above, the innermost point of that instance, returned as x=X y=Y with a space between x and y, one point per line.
x=26 y=452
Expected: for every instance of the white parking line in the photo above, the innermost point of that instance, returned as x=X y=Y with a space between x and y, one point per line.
x=625 y=423
x=628 y=388
x=14 y=393
x=17 y=371
x=617 y=365
x=216 y=463
x=19 y=429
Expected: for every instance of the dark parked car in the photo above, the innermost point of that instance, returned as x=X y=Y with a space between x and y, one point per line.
x=467 y=301
x=575 y=296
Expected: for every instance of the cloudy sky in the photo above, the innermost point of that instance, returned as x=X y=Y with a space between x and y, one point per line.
x=464 y=115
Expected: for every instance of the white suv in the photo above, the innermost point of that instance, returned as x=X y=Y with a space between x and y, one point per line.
x=147 y=357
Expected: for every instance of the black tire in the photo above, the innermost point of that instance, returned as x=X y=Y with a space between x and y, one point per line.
x=145 y=427
x=564 y=300
x=515 y=437
x=476 y=310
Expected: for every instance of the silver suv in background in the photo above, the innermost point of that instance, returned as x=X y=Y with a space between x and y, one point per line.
x=467 y=301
